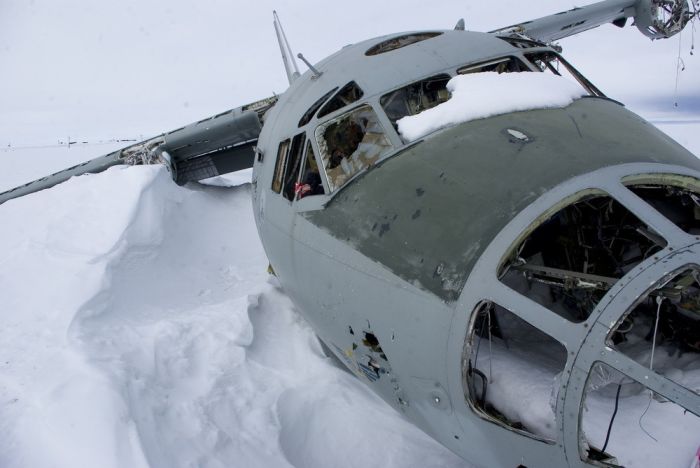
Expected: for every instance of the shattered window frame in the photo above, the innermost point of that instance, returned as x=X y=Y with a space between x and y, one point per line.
x=306 y=185
x=548 y=56
x=280 y=165
x=669 y=194
x=476 y=331
x=535 y=268
x=669 y=316
x=309 y=114
x=407 y=92
x=294 y=161
x=348 y=94
x=601 y=375
x=357 y=150
x=511 y=60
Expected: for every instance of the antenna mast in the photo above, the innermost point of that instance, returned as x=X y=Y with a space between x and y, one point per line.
x=290 y=65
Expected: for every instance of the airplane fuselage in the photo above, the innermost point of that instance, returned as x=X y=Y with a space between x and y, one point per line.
x=393 y=256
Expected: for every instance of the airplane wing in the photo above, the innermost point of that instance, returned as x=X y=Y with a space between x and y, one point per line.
x=213 y=146
x=656 y=19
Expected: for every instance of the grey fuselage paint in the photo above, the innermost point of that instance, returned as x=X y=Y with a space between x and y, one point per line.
x=388 y=268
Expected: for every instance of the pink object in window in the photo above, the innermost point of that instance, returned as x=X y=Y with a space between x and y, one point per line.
x=696 y=460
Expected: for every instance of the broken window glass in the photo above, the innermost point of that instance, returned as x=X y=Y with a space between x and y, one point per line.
x=551 y=62
x=309 y=178
x=346 y=96
x=662 y=331
x=569 y=261
x=350 y=143
x=279 y=166
x=291 y=171
x=500 y=65
x=399 y=42
x=512 y=372
x=624 y=423
x=415 y=98
x=309 y=114
x=676 y=200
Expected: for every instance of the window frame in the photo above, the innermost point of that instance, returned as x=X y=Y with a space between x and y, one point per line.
x=313 y=109
x=582 y=80
x=525 y=64
x=319 y=135
x=302 y=170
x=476 y=311
x=325 y=111
x=295 y=156
x=441 y=75
x=280 y=166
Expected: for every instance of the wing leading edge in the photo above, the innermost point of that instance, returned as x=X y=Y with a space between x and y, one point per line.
x=213 y=146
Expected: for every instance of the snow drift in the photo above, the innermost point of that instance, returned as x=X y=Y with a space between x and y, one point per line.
x=480 y=95
x=141 y=329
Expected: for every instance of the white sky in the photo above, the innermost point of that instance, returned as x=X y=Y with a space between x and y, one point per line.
x=129 y=68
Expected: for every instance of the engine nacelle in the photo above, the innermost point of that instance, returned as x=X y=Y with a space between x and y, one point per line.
x=661 y=19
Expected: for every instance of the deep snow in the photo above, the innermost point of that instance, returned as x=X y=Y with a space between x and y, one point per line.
x=140 y=328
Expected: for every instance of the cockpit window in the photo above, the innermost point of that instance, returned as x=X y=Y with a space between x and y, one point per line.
x=500 y=65
x=278 y=176
x=553 y=63
x=291 y=170
x=346 y=96
x=309 y=178
x=399 y=42
x=309 y=114
x=415 y=98
x=350 y=143
x=626 y=423
x=576 y=254
x=511 y=367
x=665 y=322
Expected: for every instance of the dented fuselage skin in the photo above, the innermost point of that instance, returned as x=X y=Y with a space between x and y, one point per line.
x=389 y=268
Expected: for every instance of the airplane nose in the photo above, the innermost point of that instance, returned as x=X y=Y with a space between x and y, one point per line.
x=428 y=212
x=540 y=230
x=588 y=300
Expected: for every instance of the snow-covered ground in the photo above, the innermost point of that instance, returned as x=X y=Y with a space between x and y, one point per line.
x=140 y=328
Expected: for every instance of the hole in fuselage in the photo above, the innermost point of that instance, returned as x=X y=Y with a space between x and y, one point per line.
x=570 y=260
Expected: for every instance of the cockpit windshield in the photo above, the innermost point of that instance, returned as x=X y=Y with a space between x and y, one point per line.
x=499 y=65
x=351 y=143
x=346 y=96
x=553 y=63
x=428 y=93
x=415 y=98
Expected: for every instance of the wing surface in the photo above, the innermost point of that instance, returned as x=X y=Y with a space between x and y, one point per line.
x=213 y=146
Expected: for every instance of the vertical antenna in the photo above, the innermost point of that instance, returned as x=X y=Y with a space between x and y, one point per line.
x=290 y=65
